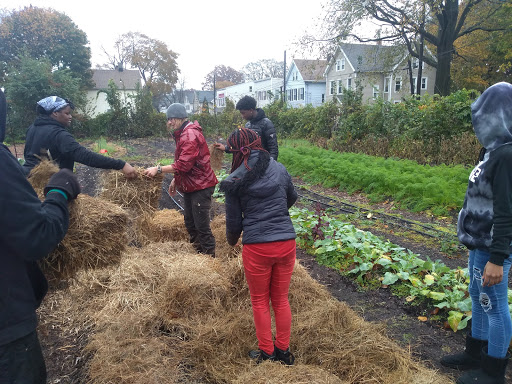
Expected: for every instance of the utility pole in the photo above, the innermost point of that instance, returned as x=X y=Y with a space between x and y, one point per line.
x=214 y=95
x=284 y=78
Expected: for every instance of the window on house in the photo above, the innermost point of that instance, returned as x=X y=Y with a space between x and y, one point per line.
x=424 y=83
x=289 y=95
x=398 y=84
x=323 y=97
x=340 y=87
x=349 y=83
x=376 y=89
x=416 y=63
x=338 y=65
x=342 y=64
x=333 y=88
x=301 y=93
x=250 y=88
x=386 y=84
x=295 y=94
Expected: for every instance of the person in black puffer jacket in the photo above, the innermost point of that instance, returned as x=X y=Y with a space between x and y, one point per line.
x=30 y=231
x=258 y=122
x=259 y=191
x=48 y=137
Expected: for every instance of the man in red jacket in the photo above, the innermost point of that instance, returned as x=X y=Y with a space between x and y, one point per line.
x=193 y=176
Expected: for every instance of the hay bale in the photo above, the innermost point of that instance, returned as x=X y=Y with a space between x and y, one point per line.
x=165 y=225
x=270 y=373
x=222 y=248
x=95 y=238
x=216 y=157
x=195 y=286
x=40 y=174
x=139 y=195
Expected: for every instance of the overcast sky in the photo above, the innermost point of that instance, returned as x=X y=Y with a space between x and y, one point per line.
x=203 y=33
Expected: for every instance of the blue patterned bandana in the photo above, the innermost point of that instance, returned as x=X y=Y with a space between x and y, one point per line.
x=54 y=103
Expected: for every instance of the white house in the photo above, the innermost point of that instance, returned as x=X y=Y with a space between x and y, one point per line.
x=264 y=91
x=378 y=70
x=126 y=81
x=305 y=83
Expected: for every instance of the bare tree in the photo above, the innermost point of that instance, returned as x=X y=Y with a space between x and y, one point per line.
x=438 y=23
x=263 y=69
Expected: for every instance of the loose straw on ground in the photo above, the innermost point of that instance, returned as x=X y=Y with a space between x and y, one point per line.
x=169 y=309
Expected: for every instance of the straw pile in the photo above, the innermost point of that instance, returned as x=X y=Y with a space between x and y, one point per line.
x=216 y=157
x=96 y=237
x=170 y=315
x=138 y=196
x=40 y=174
x=165 y=225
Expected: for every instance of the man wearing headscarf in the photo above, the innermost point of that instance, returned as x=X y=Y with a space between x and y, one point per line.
x=48 y=136
x=30 y=231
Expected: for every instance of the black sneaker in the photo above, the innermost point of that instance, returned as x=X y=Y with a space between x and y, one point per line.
x=260 y=356
x=285 y=357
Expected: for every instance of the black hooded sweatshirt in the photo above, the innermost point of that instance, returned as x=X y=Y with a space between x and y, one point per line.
x=30 y=230
x=48 y=135
x=264 y=127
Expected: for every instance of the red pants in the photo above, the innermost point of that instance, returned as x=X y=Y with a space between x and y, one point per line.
x=268 y=271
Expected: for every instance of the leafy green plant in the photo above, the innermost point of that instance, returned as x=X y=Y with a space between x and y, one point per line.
x=373 y=262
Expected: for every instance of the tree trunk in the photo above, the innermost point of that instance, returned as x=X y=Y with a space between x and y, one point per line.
x=444 y=62
x=446 y=35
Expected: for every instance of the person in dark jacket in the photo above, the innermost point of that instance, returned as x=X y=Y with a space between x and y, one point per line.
x=193 y=176
x=48 y=136
x=259 y=192
x=485 y=228
x=30 y=231
x=257 y=121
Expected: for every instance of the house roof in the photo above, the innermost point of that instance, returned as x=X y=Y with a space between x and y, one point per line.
x=373 y=58
x=311 y=70
x=127 y=79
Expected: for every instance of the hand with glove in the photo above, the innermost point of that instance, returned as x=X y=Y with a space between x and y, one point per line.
x=63 y=181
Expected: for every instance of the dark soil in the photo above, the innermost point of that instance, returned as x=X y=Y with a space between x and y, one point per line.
x=427 y=341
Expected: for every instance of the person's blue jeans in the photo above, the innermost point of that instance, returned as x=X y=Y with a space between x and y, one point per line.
x=491 y=316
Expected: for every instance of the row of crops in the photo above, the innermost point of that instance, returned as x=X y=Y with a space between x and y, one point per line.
x=370 y=260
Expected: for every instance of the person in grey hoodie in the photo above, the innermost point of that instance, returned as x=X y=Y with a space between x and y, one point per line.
x=485 y=228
